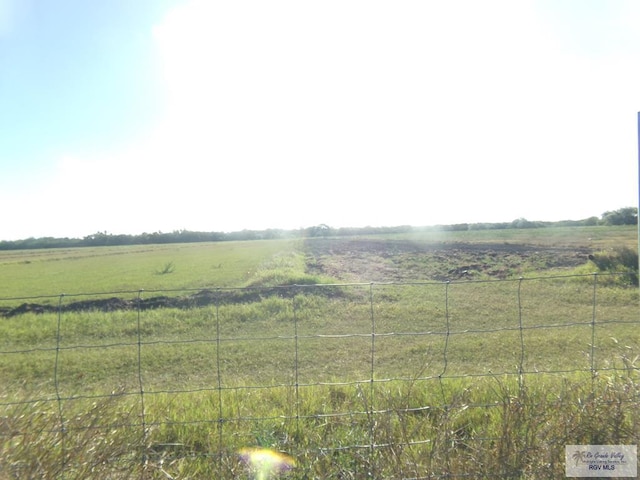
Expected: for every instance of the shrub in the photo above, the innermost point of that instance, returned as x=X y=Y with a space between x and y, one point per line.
x=620 y=260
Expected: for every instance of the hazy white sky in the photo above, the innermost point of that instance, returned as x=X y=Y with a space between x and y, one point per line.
x=157 y=115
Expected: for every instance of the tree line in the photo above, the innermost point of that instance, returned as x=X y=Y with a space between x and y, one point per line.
x=622 y=216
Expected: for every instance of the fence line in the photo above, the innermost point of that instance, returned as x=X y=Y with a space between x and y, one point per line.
x=381 y=326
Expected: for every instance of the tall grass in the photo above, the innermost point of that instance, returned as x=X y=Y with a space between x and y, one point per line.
x=455 y=389
x=496 y=427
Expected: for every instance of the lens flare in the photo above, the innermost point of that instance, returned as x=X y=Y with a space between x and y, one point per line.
x=265 y=463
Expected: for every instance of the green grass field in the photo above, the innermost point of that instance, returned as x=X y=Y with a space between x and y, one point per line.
x=107 y=269
x=437 y=389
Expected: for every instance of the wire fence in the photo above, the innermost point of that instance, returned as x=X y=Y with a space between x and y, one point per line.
x=265 y=363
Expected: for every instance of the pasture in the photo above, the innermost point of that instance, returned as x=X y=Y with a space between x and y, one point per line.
x=424 y=355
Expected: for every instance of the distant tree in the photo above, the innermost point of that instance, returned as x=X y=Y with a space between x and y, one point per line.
x=523 y=223
x=622 y=216
x=321 y=230
x=457 y=227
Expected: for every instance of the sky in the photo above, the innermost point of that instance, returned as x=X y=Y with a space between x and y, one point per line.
x=125 y=116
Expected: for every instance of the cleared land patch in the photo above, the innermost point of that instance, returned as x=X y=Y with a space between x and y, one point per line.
x=364 y=260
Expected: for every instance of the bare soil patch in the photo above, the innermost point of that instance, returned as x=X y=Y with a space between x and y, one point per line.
x=372 y=260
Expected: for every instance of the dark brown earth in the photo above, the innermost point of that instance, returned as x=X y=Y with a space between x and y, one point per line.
x=369 y=260
x=361 y=260
x=199 y=299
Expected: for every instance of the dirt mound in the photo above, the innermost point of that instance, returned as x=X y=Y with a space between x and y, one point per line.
x=198 y=299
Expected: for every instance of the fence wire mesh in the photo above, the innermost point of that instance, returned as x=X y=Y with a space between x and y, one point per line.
x=259 y=365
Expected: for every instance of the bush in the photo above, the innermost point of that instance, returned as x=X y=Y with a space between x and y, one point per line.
x=620 y=260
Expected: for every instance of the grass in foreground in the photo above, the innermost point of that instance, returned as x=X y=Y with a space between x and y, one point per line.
x=493 y=427
x=319 y=334
x=176 y=393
